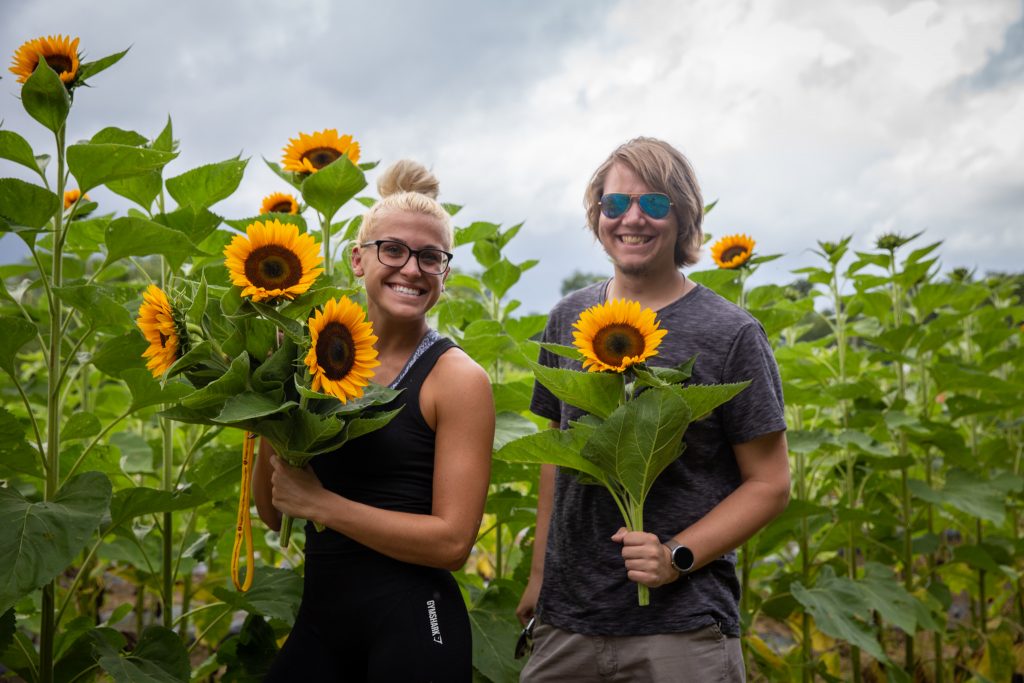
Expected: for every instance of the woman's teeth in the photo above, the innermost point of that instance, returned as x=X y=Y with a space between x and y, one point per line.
x=405 y=290
x=634 y=239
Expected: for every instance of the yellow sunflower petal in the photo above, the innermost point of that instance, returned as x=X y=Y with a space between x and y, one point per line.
x=341 y=351
x=156 y=322
x=279 y=202
x=732 y=251
x=71 y=196
x=310 y=153
x=273 y=260
x=60 y=52
x=616 y=334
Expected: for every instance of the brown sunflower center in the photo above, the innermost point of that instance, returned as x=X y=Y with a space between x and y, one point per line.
x=615 y=342
x=273 y=267
x=283 y=206
x=733 y=252
x=321 y=156
x=335 y=350
x=59 y=63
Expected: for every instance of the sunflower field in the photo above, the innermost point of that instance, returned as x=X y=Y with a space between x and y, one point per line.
x=127 y=356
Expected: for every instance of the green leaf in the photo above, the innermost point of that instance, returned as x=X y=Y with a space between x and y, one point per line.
x=249 y=406
x=146 y=391
x=27 y=204
x=884 y=593
x=294 y=330
x=16 y=454
x=510 y=426
x=159 y=657
x=494 y=635
x=15 y=148
x=47 y=535
x=328 y=189
x=127 y=504
x=525 y=327
x=286 y=176
x=96 y=306
x=359 y=426
x=570 y=352
x=554 y=447
x=477 y=231
x=204 y=186
x=197 y=224
x=121 y=353
x=966 y=492
x=93 y=165
x=214 y=394
x=90 y=69
x=597 y=393
x=80 y=426
x=165 y=140
x=133 y=236
x=500 y=277
x=119 y=136
x=839 y=610
x=249 y=654
x=640 y=439
x=143 y=189
x=17 y=333
x=703 y=398
x=45 y=97
x=275 y=593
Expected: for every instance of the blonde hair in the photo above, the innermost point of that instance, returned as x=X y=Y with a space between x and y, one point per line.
x=408 y=187
x=663 y=168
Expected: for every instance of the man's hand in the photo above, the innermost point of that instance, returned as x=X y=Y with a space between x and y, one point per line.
x=648 y=561
x=528 y=602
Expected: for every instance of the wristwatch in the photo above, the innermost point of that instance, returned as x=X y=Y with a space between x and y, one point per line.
x=682 y=557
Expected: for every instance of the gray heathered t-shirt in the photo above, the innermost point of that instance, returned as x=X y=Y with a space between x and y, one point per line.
x=585 y=588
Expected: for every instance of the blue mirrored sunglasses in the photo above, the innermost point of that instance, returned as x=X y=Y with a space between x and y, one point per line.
x=654 y=204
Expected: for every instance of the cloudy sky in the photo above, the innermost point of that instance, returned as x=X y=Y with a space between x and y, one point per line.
x=805 y=120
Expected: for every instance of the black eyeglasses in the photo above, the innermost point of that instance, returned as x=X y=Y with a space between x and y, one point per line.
x=524 y=646
x=654 y=204
x=396 y=255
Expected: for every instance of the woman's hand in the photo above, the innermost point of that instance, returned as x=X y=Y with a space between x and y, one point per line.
x=648 y=561
x=296 y=491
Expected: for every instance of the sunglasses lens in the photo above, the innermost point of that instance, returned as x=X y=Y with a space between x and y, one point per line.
x=655 y=205
x=614 y=205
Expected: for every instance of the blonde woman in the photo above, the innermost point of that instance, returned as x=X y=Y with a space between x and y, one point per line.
x=402 y=505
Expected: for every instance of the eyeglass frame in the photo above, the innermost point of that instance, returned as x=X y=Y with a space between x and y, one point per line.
x=412 y=252
x=524 y=646
x=636 y=197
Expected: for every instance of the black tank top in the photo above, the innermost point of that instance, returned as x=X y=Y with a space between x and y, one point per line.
x=391 y=468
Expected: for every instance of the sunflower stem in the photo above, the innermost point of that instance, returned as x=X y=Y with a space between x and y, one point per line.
x=325 y=228
x=47 y=630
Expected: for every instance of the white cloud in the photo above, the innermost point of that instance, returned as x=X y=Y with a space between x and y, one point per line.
x=807 y=120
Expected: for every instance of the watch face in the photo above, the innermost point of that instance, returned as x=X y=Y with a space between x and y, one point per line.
x=682 y=558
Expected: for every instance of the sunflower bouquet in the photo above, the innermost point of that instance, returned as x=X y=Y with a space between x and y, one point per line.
x=272 y=354
x=637 y=414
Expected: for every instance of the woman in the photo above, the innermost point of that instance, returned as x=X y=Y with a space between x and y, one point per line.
x=401 y=505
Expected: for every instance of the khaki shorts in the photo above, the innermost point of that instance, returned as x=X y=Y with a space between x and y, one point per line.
x=700 y=656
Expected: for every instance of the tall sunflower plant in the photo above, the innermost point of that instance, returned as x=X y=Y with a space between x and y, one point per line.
x=324 y=168
x=636 y=413
x=303 y=385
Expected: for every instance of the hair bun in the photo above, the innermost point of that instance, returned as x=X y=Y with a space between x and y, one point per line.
x=408 y=176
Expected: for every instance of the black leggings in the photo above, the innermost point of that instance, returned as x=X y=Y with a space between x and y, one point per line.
x=376 y=619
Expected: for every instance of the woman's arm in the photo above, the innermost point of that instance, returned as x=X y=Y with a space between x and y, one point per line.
x=261 y=486
x=458 y=394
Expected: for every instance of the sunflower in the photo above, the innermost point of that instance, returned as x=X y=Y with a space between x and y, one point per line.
x=71 y=196
x=60 y=52
x=310 y=153
x=341 y=355
x=273 y=261
x=279 y=202
x=732 y=251
x=616 y=334
x=166 y=336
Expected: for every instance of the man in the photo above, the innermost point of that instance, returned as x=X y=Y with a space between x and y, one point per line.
x=731 y=480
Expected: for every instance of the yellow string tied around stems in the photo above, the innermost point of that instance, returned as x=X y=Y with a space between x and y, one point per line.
x=243 y=527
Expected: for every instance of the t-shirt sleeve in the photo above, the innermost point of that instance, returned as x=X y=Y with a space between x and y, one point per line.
x=544 y=403
x=758 y=409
